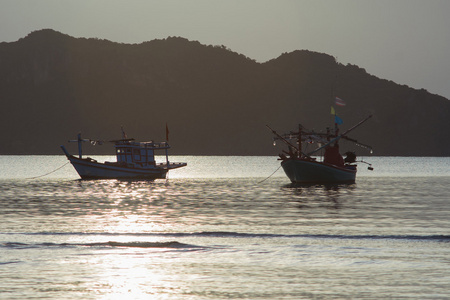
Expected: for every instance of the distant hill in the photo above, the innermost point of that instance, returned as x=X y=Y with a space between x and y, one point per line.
x=215 y=101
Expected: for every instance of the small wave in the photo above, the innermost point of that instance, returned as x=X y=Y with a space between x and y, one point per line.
x=8 y=262
x=435 y=238
x=172 y=244
x=225 y=234
x=15 y=245
x=219 y=234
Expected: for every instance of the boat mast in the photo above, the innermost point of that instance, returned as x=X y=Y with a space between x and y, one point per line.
x=80 y=151
x=299 y=141
x=336 y=129
x=167 y=146
x=167 y=156
x=333 y=96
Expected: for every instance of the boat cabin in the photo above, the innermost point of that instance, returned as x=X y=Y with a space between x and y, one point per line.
x=135 y=160
x=138 y=153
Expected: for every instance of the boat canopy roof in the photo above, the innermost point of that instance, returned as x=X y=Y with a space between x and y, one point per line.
x=125 y=143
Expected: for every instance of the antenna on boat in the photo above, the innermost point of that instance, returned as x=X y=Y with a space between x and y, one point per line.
x=124 y=135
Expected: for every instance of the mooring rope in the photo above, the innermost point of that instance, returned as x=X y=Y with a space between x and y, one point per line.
x=49 y=172
x=270 y=175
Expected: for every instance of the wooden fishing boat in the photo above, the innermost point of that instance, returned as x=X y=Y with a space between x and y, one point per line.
x=135 y=160
x=302 y=167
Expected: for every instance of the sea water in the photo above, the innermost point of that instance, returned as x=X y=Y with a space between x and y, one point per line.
x=224 y=228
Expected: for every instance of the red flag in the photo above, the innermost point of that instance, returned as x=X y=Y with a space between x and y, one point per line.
x=339 y=101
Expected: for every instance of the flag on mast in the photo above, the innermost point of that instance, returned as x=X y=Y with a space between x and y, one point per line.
x=337 y=120
x=339 y=102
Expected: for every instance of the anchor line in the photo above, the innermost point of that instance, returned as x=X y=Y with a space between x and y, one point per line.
x=270 y=175
x=48 y=172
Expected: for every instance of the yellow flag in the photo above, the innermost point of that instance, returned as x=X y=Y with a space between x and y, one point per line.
x=333 y=112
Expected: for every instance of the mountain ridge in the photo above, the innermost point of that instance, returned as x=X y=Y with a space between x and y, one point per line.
x=215 y=101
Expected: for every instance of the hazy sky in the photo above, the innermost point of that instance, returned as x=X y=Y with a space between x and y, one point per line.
x=407 y=41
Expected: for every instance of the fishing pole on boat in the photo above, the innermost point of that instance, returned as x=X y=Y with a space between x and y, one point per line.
x=340 y=136
x=356 y=125
x=358 y=143
x=370 y=168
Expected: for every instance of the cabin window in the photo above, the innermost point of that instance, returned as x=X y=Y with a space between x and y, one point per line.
x=120 y=152
x=150 y=157
x=137 y=154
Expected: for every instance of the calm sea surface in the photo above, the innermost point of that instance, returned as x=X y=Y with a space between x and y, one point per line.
x=221 y=228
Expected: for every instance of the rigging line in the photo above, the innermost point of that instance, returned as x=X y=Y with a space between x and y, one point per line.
x=49 y=172
x=270 y=175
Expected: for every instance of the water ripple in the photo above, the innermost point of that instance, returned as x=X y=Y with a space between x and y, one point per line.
x=225 y=234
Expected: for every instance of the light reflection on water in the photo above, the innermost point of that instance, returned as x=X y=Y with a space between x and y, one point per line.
x=211 y=235
x=110 y=205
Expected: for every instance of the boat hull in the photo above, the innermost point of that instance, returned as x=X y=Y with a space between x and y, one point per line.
x=305 y=171
x=89 y=169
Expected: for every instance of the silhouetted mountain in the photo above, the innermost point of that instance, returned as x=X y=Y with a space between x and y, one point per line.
x=215 y=101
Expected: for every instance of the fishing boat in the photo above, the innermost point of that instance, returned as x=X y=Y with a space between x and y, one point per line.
x=304 y=167
x=135 y=160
